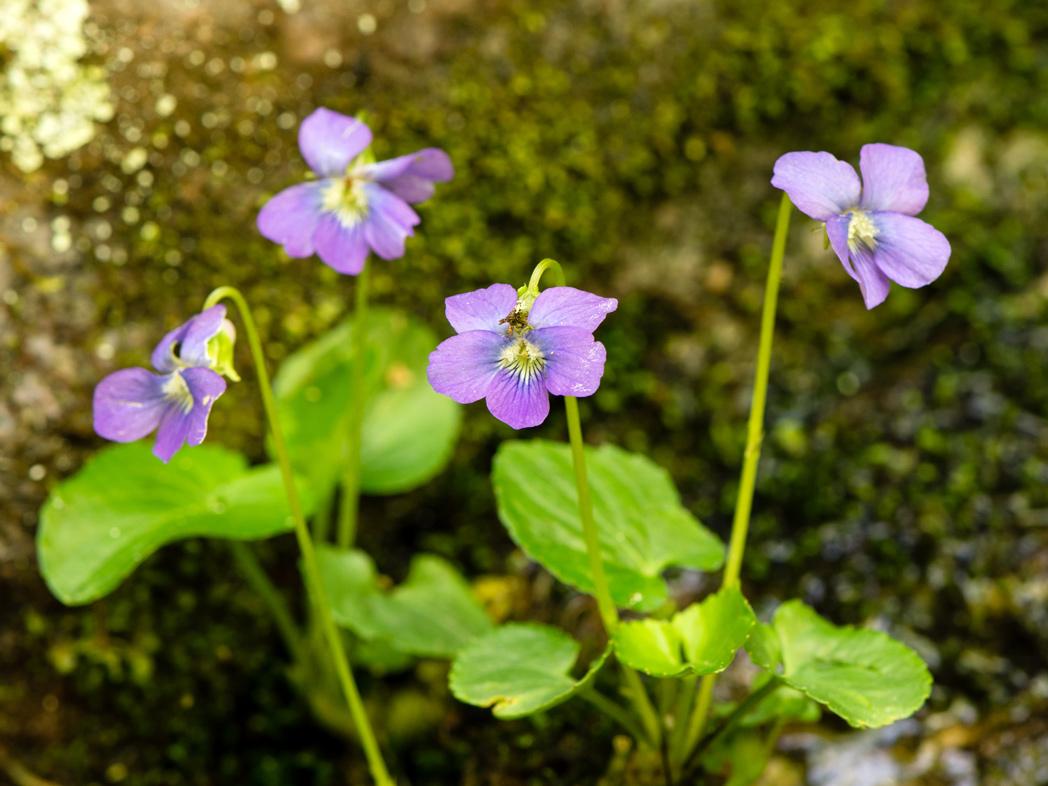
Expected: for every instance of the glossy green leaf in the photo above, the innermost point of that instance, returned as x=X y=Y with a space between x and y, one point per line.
x=643 y=527
x=763 y=646
x=432 y=614
x=702 y=639
x=865 y=676
x=409 y=430
x=784 y=703
x=98 y=525
x=520 y=669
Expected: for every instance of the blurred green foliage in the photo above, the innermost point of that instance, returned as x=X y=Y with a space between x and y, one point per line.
x=907 y=453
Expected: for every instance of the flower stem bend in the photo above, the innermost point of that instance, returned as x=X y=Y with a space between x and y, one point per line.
x=349 y=509
x=310 y=567
x=754 y=436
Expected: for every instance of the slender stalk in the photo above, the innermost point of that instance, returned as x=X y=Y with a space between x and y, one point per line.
x=754 y=436
x=686 y=692
x=260 y=583
x=601 y=589
x=730 y=722
x=347 y=520
x=311 y=571
x=617 y=713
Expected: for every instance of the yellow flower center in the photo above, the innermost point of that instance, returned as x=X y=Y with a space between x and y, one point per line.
x=347 y=199
x=862 y=232
x=523 y=359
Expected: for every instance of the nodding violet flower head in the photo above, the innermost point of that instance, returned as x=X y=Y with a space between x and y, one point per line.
x=356 y=205
x=191 y=359
x=515 y=351
x=870 y=225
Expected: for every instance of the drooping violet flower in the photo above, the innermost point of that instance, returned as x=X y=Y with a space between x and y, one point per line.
x=515 y=351
x=356 y=205
x=871 y=225
x=134 y=402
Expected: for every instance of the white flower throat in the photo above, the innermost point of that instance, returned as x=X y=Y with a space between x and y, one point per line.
x=347 y=198
x=862 y=232
x=177 y=391
x=522 y=359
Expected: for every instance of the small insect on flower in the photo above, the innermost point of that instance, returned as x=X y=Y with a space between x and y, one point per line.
x=191 y=359
x=514 y=349
x=356 y=205
x=871 y=225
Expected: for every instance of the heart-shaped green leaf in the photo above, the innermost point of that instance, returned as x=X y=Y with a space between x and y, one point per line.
x=432 y=614
x=98 y=525
x=643 y=527
x=409 y=430
x=520 y=669
x=702 y=639
x=865 y=676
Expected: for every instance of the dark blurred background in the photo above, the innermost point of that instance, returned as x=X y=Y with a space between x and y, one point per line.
x=904 y=474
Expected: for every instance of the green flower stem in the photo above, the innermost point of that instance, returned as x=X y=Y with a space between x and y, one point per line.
x=260 y=583
x=609 y=612
x=754 y=436
x=617 y=713
x=347 y=519
x=730 y=722
x=309 y=557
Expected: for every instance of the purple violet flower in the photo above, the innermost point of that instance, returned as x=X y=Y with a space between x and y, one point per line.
x=356 y=205
x=871 y=225
x=133 y=402
x=515 y=351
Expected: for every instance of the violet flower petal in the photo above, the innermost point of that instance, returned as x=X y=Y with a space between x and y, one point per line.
x=859 y=264
x=873 y=284
x=330 y=140
x=389 y=222
x=817 y=183
x=340 y=247
x=893 y=179
x=290 y=218
x=909 y=251
x=570 y=307
x=180 y=426
x=574 y=360
x=481 y=309
x=190 y=340
x=411 y=177
x=128 y=404
x=462 y=367
x=517 y=403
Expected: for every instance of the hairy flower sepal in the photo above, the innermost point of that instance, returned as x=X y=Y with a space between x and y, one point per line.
x=131 y=403
x=872 y=225
x=514 y=349
x=356 y=205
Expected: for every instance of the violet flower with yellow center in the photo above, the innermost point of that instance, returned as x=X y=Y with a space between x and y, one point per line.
x=131 y=403
x=356 y=205
x=514 y=349
x=871 y=225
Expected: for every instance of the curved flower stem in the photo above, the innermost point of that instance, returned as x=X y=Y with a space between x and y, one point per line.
x=754 y=436
x=609 y=612
x=349 y=509
x=260 y=583
x=617 y=713
x=310 y=568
